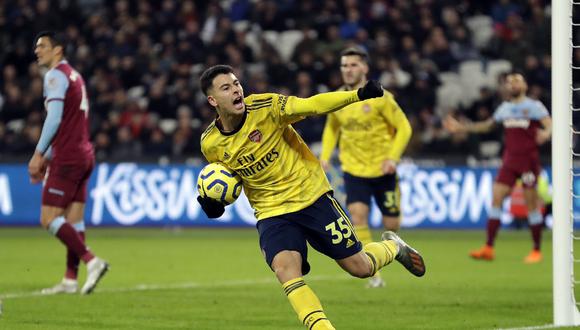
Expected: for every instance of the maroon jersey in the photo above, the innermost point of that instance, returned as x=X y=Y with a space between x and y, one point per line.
x=521 y=157
x=71 y=143
x=521 y=122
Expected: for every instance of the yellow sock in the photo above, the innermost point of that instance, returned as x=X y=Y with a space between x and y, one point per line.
x=306 y=305
x=363 y=234
x=381 y=253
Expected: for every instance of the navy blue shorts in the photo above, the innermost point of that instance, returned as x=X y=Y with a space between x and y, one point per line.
x=324 y=225
x=385 y=189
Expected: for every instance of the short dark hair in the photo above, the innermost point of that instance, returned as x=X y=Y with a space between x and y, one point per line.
x=56 y=39
x=356 y=51
x=207 y=77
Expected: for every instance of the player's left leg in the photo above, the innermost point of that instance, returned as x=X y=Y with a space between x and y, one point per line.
x=331 y=232
x=377 y=255
x=74 y=215
x=284 y=247
x=535 y=222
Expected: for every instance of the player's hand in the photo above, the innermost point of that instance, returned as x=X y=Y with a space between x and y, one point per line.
x=37 y=167
x=389 y=166
x=452 y=125
x=325 y=165
x=542 y=136
x=212 y=208
x=371 y=90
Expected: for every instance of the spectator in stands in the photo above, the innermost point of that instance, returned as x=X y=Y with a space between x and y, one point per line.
x=154 y=46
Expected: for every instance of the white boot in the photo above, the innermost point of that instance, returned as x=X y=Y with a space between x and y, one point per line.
x=67 y=285
x=96 y=269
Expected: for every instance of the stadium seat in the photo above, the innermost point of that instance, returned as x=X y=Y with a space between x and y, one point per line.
x=472 y=79
x=489 y=149
x=495 y=68
x=287 y=42
x=168 y=126
x=449 y=78
x=449 y=96
x=481 y=28
x=253 y=41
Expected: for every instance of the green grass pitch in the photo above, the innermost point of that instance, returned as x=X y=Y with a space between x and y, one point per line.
x=217 y=279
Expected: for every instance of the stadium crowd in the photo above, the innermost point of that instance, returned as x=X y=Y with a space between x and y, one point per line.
x=142 y=61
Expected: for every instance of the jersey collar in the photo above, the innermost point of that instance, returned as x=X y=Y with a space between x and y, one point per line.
x=219 y=126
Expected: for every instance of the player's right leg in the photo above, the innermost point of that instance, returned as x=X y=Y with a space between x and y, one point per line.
x=501 y=189
x=284 y=248
x=535 y=221
x=74 y=215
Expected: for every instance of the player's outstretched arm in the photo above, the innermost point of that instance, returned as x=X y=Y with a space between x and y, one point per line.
x=329 y=140
x=454 y=126
x=332 y=101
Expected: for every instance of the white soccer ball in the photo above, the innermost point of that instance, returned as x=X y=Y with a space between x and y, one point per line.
x=220 y=183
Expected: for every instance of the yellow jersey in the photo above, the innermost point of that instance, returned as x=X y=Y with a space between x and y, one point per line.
x=368 y=133
x=279 y=172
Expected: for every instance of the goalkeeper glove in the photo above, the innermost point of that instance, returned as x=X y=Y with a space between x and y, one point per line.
x=211 y=207
x=370 y=90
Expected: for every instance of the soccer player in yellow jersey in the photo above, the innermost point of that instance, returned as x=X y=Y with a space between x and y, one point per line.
x=287 y=187
x=371 y=136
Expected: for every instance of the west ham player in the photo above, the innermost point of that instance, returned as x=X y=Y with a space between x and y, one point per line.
x=287 y=187
x=65 y=153
x=527 y=125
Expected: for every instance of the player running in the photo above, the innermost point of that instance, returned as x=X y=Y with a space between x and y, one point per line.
x=372 y=136
x=288 y=189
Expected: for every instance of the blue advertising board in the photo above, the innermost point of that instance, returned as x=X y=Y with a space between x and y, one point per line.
x=130 y=194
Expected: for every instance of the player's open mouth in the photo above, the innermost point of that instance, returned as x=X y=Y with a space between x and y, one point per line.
x=239 y=103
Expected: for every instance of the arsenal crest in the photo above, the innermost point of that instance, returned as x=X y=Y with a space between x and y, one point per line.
x=255 y=136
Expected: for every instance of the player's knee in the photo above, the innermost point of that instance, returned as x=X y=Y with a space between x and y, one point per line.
x=286 y=272
x=287 y=265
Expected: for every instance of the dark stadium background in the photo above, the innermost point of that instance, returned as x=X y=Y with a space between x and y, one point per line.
x=142 y=60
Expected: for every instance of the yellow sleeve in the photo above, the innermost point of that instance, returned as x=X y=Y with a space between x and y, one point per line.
x=403 y=128
x=319 y=104
x=329 y=137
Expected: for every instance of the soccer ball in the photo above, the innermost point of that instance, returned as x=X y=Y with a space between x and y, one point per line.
x=220 y=183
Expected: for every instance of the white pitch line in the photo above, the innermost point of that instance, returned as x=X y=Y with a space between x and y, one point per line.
x=178 y=286
x=537 y=327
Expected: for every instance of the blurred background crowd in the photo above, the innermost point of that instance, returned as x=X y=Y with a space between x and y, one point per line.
x=141 y=61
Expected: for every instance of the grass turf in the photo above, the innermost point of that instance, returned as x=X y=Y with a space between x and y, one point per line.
x=217 y=279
